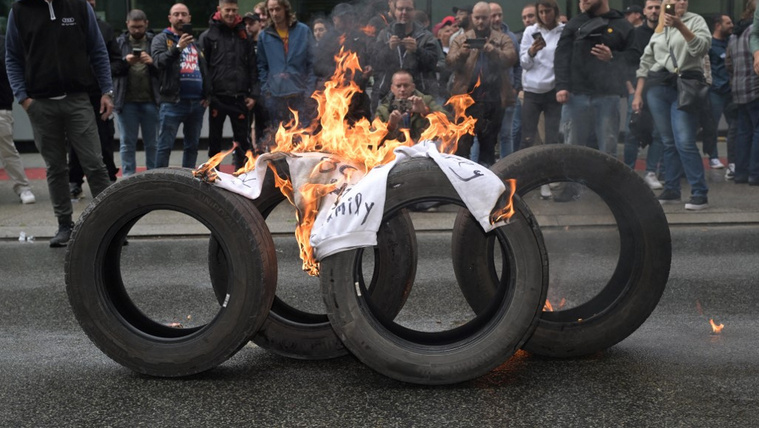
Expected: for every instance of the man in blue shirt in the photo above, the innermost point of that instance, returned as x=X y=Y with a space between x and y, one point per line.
x=54 y=55
x=184 y=87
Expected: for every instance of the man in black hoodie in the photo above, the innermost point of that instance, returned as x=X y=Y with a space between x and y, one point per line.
x=594 y=54
x=231 y=57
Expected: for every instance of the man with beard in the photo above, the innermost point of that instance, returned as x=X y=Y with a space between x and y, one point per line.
x=463 y=15
x=480 y=56
x=404 y=45
x=720 y=96
x=185 y=87
x=232 y=67
x=135 y=83
x=595 y=49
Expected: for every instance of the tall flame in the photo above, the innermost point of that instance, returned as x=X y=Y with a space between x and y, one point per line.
x=362 y=144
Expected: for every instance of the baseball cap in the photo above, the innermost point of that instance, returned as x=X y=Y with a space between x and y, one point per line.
x=468 y=8
x=633 y=9
x=251 y=16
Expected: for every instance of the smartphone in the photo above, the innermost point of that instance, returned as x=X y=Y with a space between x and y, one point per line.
x=669 y=9
x=399 y=30
x=137 y=52
x=187 y=28
x=536 y=35
x=476 y=43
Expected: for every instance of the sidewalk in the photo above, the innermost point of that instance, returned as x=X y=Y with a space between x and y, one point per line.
x=730 y=204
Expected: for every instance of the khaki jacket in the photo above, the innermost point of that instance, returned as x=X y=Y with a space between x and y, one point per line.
x=501 y=60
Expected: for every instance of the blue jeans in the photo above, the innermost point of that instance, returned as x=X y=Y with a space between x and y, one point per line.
x=188 y=113
x=516 y=125
x=599 y=113
x=655 y=149
x=132 y=117
x=505 y=136
x=678 y=134
x=747 y=143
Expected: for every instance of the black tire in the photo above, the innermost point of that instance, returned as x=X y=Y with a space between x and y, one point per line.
x=642 y=270
x=293 y=333
x=113 y=321
x=449 y=356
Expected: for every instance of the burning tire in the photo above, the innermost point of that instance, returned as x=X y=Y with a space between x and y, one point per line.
x=464 y=351
x=642 y=270
x=109 y=315
x=294 y=333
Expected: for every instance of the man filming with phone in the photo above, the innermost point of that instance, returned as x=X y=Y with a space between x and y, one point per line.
x=478 y=59
x=405 y=45
x=594 y=54
x=135 y=86
x=185 y=87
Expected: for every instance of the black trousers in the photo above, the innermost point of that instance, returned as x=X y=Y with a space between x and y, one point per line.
x=234 y=108
x=489 y=115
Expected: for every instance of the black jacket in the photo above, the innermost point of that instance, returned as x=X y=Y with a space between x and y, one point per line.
x=166 y=56
x=6 y=95
x=578 y=71
x=59 y=46
x=120 y=70
x=231 y=58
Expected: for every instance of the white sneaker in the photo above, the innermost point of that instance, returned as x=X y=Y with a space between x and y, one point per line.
x=652 y=181
x=730 y=173
x=545 y=191
x=716 y=164
x=27 y=197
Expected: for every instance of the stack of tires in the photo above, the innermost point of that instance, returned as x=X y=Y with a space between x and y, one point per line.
x=503 y=276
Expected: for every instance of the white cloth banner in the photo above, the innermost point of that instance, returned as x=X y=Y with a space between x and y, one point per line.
x=350 y=216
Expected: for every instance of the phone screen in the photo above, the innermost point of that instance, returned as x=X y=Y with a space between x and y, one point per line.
x=537 y=35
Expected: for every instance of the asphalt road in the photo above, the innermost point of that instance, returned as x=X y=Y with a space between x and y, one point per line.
x=672 y=372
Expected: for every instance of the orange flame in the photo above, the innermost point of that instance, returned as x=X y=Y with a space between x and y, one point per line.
x=547 y=307
x=362 y=144
x=505 y=213
x=207 y=171
x=716 y=329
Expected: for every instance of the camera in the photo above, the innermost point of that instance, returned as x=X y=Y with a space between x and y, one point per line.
x=669 y=9
x=403 y=106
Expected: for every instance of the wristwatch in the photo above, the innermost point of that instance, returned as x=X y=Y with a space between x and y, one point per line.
x=109 y=94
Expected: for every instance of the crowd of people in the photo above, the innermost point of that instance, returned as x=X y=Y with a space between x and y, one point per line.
x=556 y=81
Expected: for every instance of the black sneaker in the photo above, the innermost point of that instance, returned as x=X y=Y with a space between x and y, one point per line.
x=61 y=238
x=697 y=203
x=75 y=189
x=669 y=197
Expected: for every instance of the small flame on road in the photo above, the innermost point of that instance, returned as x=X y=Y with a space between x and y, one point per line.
x=716 y=328
x=549 y=308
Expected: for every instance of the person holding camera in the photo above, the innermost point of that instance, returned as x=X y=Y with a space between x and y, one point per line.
x=185 y=87
x=682 y=38
x=478 y=60
x=407 y=45
x=135 y=83
x=405 y=108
